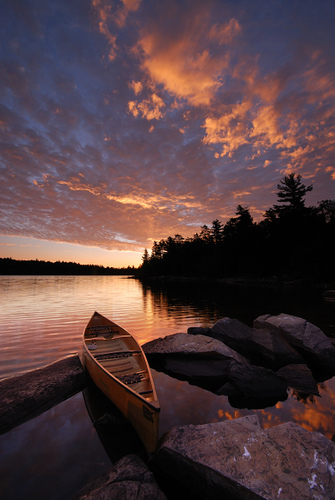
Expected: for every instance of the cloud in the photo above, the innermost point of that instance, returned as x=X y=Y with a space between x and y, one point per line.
x=150 y=108
x=182 y=59
x=129 y=121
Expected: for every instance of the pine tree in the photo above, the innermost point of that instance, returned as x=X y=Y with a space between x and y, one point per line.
x=292 y=191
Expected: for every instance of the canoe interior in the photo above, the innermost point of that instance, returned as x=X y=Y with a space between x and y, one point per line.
x=120 y=369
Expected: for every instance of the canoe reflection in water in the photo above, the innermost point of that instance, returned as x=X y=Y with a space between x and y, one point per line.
x=118 y=366
x=116 y=434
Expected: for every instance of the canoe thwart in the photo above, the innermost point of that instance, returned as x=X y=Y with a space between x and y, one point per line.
x=114 y=355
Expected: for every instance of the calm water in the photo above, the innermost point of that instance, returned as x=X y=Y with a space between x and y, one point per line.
x=41 y=320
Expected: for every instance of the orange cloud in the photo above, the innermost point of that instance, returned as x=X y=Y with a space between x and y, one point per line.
x=103 y=11
x=136 y=86
x=107 y=17
x=185 y=64
x=137 y=197
x=148 y=108
x=229 y=129
x=132 y=5
x=225 y=33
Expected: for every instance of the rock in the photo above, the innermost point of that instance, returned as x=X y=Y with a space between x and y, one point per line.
x=299 y=378
x=266 y=347
x=236 y=459
x=26 y=396
x=129 y=479
x=198 y=359
x=329 y=295
x=311 y=342
x=197 y=370
x=250 y=386
x=190 y=345
x=198 y=330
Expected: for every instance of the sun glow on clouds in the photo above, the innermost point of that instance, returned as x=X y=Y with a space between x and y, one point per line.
x=184 y=64
x=144 y=200
x=137 y=120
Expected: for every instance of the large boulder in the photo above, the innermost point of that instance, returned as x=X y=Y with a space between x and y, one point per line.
x=238 y=460
x=189 y=345
x=129 y=479
x=266 y=347
x=201 y=360
x=311 y=342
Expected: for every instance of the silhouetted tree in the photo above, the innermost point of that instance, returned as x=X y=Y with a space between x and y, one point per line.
x=217 y=231
x=292 y=191
x=327 y=209
x=293 y=241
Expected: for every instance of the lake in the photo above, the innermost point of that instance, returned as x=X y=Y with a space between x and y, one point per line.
x=42 y=319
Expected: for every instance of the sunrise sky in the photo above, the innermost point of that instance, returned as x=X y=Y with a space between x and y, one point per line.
x=125 y=122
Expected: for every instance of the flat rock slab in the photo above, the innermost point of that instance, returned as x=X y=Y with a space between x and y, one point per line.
x=26 y=396
x=129 y=479
x=190 y=345
x=199 y=359
x=236 y=459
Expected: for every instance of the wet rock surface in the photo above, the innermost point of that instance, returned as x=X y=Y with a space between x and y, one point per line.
x=237 y=459
x=30 y=394
x=129 y=479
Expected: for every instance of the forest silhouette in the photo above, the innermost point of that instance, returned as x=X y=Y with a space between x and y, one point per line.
x=291 y=242
x=10 y=266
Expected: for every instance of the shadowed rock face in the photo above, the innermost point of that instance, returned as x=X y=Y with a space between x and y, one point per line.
x=129 y=479
x=238 y=459
x=253 y=381
x=265 y=347
x=311 y=342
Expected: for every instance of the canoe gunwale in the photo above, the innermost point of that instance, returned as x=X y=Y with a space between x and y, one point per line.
x=119 y=333
x=153 y=404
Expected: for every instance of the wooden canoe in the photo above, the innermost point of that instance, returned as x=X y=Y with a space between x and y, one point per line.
x=118 y=366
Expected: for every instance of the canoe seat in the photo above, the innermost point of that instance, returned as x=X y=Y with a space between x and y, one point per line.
x=102 y=330
x=116 y=355
x=131 y=378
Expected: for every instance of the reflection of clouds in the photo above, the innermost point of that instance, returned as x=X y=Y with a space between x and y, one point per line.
x=47 y=448
x=183 y=404
x=315 y=415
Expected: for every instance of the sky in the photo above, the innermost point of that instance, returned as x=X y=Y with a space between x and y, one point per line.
x=125 y=122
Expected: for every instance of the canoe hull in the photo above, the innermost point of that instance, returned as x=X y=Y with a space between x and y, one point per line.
x=142 y=413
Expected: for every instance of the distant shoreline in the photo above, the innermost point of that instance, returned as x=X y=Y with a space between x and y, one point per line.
x=13 y=267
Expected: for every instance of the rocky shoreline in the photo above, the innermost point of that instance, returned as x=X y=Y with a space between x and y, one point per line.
x=234 y=459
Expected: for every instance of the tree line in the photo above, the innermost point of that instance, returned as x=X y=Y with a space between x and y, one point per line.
x=291 y=242
x=10 y=266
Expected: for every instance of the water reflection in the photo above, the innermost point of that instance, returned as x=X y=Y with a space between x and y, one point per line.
x=42 y=319
x=182 y=404
x=53 y=456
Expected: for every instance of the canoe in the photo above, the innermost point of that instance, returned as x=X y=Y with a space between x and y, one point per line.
x=118 y=366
